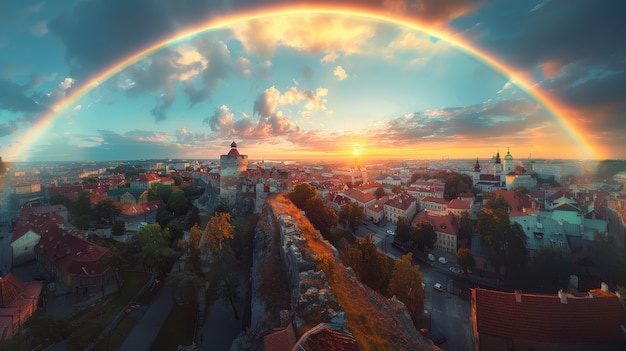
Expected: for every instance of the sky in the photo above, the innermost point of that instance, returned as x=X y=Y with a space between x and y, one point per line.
x=102 y=80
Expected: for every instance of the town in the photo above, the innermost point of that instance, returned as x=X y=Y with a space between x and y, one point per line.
x=490 y=253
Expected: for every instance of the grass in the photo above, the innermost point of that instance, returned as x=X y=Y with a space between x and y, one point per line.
x=178 y=328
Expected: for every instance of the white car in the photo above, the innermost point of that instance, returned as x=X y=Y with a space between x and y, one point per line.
x=391 y=232
x=431 y=257
x=443 y=260
x=438 y=287
x=456 y=270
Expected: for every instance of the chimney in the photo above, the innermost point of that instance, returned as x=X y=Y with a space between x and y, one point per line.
x=563 y=297
x=604 y=287
x=518 y=296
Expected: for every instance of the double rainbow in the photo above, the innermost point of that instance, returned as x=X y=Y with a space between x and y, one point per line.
x=551 y=105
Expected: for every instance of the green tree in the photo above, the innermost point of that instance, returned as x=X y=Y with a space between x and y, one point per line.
x=84 y=333
x=370 y=265
x=321 y=215
x=82 y=205
x=351 y=215
x=106 y=211
x=516 y=253
x=119 y=228
x=379 y=192
x=456 y=184
x=176 y=229
x=466 y=227
x=82 y=222
x=424 y=235
x=550 y=268
x=403 y=229
x=406 y=285
x=159 y=192
x=43 y=329
x=60 y=199
x=177 y=202
x=465 y=259
x=609 y=259
x=492 y=226
x=302 y=193
x=192 y=218
x=186 y=284
x=155 y=251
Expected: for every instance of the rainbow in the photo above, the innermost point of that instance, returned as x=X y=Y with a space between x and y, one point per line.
x=551 y=105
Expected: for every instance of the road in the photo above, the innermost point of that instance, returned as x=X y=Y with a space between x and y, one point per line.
x=450 y=314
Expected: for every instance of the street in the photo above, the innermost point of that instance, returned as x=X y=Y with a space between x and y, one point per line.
x=450 y=313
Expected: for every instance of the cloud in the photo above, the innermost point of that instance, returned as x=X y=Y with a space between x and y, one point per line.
x=15 y=98
x=224 y=124
x=340 y=73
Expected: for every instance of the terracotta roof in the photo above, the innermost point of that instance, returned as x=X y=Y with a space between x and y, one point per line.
x=73 y=255
x=135 y=209
x=437 y=200
x=402 y=201
x=518 y=201
x=327 y=339
x=10 y=289
x=448 y=223
x=543 y=318
x=457 y=204
x=359 y=196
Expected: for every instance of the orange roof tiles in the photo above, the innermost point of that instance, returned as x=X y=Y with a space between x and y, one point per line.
x=10 y=289
x=543 y=318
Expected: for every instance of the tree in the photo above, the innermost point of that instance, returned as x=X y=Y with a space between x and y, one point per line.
x=351 y=215
x=397 y=189
x=44 y=329
x=106 y=211
x=424 y=235
x=192 y=218
x=465 y=259
x=370 y=265
x=160 y=192
x=218 y=230
x=550 y=268
x=82 y=222
x=321 y=215
x=186 y=284
x=119 y=228
x=176 y=229
x=177 y=202
x=492 y=226
x=455 y=184
x=403 y=229
x=302 y=193
x=60 y=199
x=154 y=244
x=516 y=253
x=82 y=205
x=379 y=192
x=466 y=228
x=406 y=285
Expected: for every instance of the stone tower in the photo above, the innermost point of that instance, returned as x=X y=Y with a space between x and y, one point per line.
x=232 y=168
x=508 y=162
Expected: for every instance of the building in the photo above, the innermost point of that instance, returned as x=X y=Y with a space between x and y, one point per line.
x=362 y=198
x=403 y=204
x=376 y=211
x=144 y=181
x=446 y=227
x=76 y=264
x=233 y=167
x=595 y=320
x=18 y=301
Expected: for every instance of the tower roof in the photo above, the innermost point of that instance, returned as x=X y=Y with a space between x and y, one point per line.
x=233 y=149
x=477 y=166
x=498 y=157
x=508 y=155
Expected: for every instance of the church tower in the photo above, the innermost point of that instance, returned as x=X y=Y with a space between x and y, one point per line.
x=476 y=172
x=497 y=166
x=508 y=162
x=232 y=168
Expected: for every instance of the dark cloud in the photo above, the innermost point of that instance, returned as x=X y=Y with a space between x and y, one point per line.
x=17 y=99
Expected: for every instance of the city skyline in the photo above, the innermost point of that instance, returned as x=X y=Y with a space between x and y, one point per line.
x=104 y=80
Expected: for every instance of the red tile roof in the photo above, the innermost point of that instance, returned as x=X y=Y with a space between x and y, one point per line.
x=519 y=202
x=280 y=340
x=73 y=255
x=448 y=223
x=359 y=196
x=543 y=318
x=402 y=201
x=10 y=289
x=136 y=209
x=457 y=204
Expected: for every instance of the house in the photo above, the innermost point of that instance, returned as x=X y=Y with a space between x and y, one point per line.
x=403 y=204
x=376 y=211
x=144 y=181
x=457 y=206
x=361 y=198
x=446 y=227
x=134 y=214
x=27 y=235
x=75 y=263
x=18 y=301
x=430 y=203
x=516 y=321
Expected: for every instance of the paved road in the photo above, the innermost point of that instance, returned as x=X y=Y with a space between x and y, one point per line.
x=146 y=329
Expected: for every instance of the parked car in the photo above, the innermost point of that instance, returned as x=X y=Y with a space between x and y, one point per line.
x=443 y=260
x=391 y=232
x=438 y=287
x=431 y=257
x=456 y=270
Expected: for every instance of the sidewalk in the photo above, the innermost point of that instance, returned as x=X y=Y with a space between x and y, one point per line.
x=146 y=329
